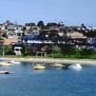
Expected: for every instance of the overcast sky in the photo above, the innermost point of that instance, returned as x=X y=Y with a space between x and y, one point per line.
x=72 y=12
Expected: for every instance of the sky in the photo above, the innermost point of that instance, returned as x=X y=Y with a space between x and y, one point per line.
x=71 y=12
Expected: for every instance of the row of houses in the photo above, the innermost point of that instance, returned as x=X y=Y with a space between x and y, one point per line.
x=12 y=30
x=40 y=35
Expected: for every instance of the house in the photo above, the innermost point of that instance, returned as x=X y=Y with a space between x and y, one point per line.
x=16 y=49
x=10 y=31
x=36 y=30
x=31 y=28
x=53 y=26
x=19 y=31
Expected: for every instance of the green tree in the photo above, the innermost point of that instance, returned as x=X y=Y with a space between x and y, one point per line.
x=91 y=33
x=68 y=49
x=40 y=24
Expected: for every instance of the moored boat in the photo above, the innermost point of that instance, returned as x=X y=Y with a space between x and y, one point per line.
x=39 y=67
x=76 y=66
x=4 y=63
x=4 y=72
x=14 y=62
x=57 y=65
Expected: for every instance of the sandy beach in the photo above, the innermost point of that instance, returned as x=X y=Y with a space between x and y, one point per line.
x=52 y=60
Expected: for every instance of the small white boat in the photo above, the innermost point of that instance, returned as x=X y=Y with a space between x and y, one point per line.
x=76 y=66
x=57 y=65
x=14 y=62
x=4 y=72
x=38 y=67
x=4 y=63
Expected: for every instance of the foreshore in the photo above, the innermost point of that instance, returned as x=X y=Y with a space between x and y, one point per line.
x=53 y=60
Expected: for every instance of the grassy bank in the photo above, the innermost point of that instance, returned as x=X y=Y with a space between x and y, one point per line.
x=66 y=52
x=73 y=56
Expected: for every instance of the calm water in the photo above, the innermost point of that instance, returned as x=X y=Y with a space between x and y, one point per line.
x=51 y=82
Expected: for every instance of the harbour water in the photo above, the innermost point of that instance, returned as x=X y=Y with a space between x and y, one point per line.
x=50 y=82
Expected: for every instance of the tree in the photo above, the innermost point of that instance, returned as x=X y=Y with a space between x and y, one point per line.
x=83 y=26
x=2 y=46
x=68 y=49
x=91 y=33
x=30 y=24
x=40 y=24
x=1 y=43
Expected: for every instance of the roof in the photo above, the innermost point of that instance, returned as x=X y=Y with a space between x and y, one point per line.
x=76 y=35
x=31 y=37
x=8 y=41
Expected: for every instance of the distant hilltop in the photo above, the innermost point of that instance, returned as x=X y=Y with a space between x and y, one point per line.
x=32 y=38
x=49 y=31
x=42 y=23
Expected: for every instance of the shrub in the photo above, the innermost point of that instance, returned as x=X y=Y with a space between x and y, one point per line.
x=56 y=55
x=87 y=52
x=7 y=49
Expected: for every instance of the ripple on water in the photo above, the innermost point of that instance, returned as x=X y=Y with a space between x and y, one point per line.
x=51 y=82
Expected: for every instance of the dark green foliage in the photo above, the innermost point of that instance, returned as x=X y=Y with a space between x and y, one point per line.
x=52 y=24
x=40 y=24
x=30 y=24
x=91 y=33
x=56 y=55
x=4 y=35
x=7 y=49
x=24 y=50
x=87 y=52
x=68 y=49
